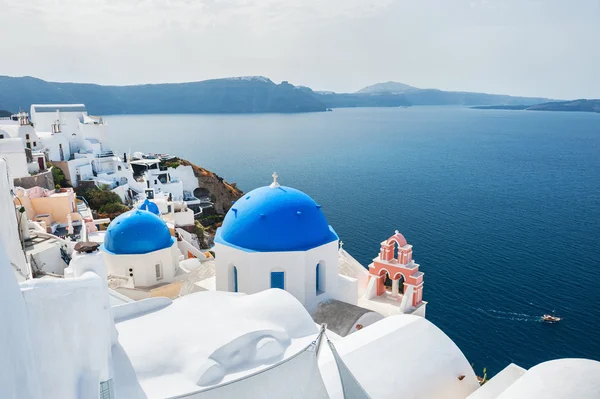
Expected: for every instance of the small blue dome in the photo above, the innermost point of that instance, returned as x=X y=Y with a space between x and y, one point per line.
x=149 y=206
x=277 y=219
x=137 y=232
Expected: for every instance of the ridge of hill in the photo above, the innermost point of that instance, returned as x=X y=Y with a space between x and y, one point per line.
x=246 y=94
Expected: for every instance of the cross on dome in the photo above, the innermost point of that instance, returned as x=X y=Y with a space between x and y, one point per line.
x=275 y=184
x=341 y=244
x=397 y=232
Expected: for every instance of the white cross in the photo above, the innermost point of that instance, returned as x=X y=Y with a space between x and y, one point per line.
x=397 y=232
x=275 y=184
x=341 y=244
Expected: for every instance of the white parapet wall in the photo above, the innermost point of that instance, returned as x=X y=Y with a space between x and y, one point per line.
x=13 y=151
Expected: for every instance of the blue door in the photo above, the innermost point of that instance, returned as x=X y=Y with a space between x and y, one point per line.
x=278 y=280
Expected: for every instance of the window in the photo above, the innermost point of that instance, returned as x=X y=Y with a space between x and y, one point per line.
x=158 y=269
x=317 y=278
x=1 y=136
x=107 y=391
x=278 y=280
x=34 y=144
x=119 y=168
x=28 y=145
x=26 y=137
x=235 y=282
x=320 y=278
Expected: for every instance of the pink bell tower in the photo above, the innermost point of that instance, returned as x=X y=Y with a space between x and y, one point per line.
x=395 y=261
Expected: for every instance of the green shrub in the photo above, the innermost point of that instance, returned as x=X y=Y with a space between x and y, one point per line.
x=199 y=230
x=59 y=177
x=171 y=163
x=98 y=197
x=112 y=210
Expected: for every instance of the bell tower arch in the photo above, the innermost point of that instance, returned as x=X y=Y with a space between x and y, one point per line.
x=395 y=261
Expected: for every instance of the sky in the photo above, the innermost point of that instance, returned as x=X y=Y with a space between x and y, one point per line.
x=547 y=48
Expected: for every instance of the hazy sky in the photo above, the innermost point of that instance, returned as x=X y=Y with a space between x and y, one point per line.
x=545 y=48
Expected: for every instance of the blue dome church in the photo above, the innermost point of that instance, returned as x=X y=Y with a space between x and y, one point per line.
x=138 y=245
x=277 y=237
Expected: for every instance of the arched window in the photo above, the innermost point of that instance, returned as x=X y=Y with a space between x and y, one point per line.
x=235 y=281
x=320 y=278
x=317 y=278
x=278 y=279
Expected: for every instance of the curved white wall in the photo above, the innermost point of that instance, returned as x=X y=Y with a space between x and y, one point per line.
x=71 y=329
x=18 y=378
x=401 y=356
x=558 y=379
x=143 y=265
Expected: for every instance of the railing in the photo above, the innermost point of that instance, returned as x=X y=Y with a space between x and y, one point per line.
x=105 y=154
x=84 y=200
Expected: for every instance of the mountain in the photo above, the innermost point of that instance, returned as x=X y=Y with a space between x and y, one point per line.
x=419 y=97
x=232 y=95
x=387 y=87
x=416 y=96
x=351 y=100
x=252 y=94
x=575 y=105
x=5 y=114
x=440 y=97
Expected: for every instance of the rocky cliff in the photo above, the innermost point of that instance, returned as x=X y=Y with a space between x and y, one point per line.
x=221 y=193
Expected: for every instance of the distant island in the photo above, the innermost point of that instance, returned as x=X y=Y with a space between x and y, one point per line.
x=253 y=94
x=573 y=106
x=5 y=114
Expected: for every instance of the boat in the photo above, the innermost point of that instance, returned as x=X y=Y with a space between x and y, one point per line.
x=550 y=318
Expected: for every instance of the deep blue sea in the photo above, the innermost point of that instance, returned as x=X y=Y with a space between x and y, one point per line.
x=502 y=207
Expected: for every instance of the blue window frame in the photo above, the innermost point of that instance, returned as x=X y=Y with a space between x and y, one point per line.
x=235 y=283
x=278 y=280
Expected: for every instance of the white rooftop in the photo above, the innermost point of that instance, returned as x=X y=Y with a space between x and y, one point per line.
x=255 y=331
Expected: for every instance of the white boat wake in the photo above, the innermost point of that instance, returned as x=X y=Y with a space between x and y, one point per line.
x=503 y=315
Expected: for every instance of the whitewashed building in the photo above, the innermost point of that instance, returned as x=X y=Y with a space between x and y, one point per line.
x=139 y=245
x=278 y=237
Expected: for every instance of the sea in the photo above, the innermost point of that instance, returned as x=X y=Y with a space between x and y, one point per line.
x=502 y=207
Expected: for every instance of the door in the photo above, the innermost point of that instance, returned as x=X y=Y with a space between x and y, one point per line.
x=278 y=280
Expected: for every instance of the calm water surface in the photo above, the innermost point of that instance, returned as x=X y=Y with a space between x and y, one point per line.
x=502 y=207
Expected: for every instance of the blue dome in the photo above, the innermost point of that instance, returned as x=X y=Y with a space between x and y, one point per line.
x=275 y=220
x=137 y=232
x=149 y=206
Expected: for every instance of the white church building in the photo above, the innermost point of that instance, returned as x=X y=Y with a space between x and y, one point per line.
x=278 y=237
